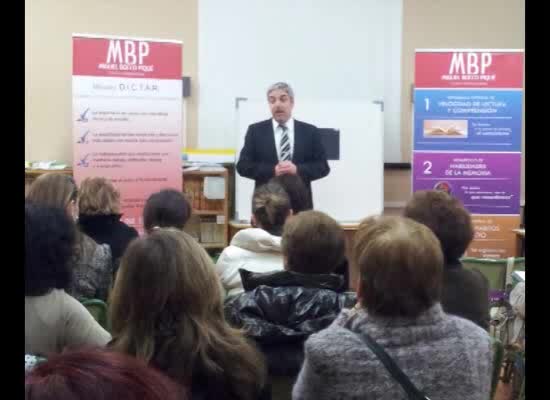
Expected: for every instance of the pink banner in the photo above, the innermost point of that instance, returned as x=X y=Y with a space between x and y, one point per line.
x=468 y=69
x=127 y=116
x=126 y=58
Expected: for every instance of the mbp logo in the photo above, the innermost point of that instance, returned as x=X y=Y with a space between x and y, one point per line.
x=470 y=63
x=127 y=55
x=124 y=52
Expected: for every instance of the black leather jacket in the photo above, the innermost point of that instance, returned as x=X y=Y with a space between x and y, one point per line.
x=280 y=310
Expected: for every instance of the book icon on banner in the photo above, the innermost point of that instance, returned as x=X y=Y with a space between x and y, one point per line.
x=84 y=161
x=82 y=139
x=83 y=117
x=456 y=129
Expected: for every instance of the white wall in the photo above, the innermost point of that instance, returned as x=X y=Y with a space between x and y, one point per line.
x=326 y=50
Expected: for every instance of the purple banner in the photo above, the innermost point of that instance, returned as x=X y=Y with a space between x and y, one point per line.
x=486 y=183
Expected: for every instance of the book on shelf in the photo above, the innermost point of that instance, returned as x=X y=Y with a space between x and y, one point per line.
x=210 y=231
x=194 y=189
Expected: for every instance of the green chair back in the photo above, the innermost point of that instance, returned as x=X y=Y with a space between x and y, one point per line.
x=281 y=387
x=214 y=256
x=498 y=357
x=494 y=269
x=98 y=309
x=522 y=390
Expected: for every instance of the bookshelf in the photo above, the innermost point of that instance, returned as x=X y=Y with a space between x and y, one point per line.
x=209 y=223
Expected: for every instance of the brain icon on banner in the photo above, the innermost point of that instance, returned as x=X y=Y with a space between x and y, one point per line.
x=127 y=116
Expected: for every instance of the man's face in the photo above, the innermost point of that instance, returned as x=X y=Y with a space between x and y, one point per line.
x=281 y=105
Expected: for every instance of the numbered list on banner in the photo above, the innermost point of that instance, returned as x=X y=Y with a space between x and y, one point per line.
x=127 y=116
x=467 y=138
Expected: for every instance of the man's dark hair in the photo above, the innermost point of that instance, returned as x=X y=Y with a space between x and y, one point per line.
x=50 y=237
x=446 y=217
x=166 y=209
x=296 y=190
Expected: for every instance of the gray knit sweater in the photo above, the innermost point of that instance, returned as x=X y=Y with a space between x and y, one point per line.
x=447 y=357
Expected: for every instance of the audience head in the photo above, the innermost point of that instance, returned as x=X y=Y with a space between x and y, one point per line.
x=91 y=374
x=55 y=190
x=280 y=97
x=98 y=196
x=175 y=280
x=400 y=266
x=446 y=217
x=313 y=243
x=50 y=237
x=270 y=208
x=297 y=192
x=166 y=209
x=167 y=309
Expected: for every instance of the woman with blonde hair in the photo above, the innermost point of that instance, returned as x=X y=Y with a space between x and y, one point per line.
x=99 y=215
x=92 y=263
x=256 y=249
x=166 y=308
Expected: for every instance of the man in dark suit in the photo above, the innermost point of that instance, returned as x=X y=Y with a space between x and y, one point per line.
x=282 y=145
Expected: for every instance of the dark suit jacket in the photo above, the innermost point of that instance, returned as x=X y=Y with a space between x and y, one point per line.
x=259 y=154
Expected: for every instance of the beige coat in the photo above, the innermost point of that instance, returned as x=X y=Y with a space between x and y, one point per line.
x=57 y=320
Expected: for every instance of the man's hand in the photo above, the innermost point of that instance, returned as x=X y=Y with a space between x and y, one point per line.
x=285 y=168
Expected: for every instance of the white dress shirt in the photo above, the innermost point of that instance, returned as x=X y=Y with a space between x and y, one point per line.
x=278 y=131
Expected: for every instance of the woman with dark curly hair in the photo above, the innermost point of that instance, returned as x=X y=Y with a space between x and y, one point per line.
x=92 y=262
x=53 y=319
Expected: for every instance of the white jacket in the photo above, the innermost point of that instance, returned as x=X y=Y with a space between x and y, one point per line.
x=252 y=249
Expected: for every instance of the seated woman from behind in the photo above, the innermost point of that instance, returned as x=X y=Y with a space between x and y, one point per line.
x=465 y=292
x=256 y=249
x=99 y=216
x=300 y=200
x=166 y=209
x=92 y=262
x=166 y=309
x=53 y=319
x=399 y=289
x=92 y=374
x=279 y=310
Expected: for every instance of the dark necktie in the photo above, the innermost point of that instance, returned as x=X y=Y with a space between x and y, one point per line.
x=285 y=144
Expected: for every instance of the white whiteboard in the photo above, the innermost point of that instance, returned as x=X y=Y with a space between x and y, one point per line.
x=354 y=189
